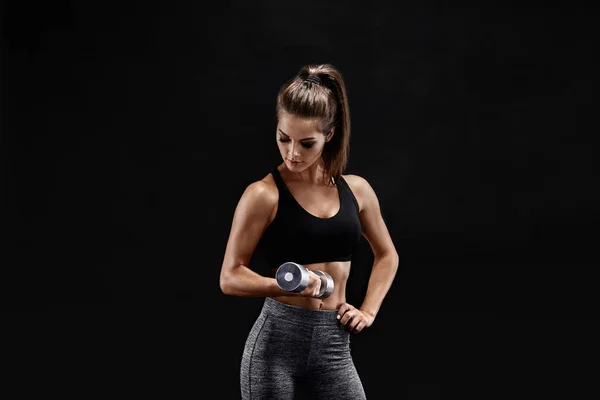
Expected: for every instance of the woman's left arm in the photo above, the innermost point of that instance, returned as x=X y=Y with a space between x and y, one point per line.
x=385 y=262
x=386 y=258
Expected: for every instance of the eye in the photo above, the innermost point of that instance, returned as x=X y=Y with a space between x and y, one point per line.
x=304 y=144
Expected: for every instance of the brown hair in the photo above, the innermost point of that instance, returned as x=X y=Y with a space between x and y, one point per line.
x=327 y=102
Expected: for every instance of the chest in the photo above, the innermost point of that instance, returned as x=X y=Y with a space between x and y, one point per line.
x=321 y=202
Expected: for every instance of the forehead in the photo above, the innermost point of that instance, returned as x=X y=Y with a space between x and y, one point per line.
x=297 y=127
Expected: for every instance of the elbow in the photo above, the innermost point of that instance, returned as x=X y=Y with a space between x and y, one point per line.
x=391 y=257
x=229 y=280
x=225 y=284
x=395 y=262
x=392 y=253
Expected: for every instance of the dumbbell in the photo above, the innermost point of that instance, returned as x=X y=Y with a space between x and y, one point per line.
x=293 y=277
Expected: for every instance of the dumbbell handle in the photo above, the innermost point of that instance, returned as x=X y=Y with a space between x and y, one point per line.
x=326 y=284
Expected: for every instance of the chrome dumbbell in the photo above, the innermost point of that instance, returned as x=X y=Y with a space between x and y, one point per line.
x=294 y=277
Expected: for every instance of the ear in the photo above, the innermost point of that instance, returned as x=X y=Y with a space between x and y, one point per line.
x=329 y=135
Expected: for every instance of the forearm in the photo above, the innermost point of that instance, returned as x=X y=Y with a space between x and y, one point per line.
x=243 y=281
x=380 y=281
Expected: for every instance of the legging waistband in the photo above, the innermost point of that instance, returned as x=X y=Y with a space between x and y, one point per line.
x=299 y=314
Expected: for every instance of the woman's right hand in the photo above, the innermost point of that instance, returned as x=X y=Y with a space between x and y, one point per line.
x=314 y=285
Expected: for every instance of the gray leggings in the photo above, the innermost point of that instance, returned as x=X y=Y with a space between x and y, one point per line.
x=292 y=351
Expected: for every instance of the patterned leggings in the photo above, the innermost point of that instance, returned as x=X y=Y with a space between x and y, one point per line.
x=292 y=350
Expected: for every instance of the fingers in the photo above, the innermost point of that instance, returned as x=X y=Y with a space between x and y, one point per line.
x=314 y=285
x=351 y=318
x=356 y=325
x=343 y=313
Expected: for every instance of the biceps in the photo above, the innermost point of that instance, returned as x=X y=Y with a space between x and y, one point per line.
x=375 y=230
x=243 y=239
x=250 y=219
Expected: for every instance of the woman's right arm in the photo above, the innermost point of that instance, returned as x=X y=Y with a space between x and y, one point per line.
x=250 y=220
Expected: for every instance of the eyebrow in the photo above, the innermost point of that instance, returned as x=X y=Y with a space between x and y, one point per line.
x=301 y=140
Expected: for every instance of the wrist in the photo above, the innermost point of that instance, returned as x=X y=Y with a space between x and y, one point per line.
x=368 y=312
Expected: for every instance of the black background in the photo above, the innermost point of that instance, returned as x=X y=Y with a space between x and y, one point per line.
x=123 y=127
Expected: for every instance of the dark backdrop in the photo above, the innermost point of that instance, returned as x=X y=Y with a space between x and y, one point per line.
x=122 y=130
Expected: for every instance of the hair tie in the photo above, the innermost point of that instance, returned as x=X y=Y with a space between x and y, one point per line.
x=313 y=79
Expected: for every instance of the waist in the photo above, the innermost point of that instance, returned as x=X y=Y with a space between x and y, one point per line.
x=301 y=315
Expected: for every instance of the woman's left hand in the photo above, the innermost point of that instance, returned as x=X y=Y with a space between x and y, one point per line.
x=353 y=319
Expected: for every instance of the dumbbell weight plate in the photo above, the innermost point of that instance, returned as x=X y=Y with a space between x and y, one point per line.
x=326 y=284
x=292 y=277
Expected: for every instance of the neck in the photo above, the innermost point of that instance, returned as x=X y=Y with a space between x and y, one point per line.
x=312 y=175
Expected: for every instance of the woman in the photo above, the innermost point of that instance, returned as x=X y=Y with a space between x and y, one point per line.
x=305 y=211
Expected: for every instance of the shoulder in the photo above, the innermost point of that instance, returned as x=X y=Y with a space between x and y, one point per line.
x=356 y=180
x=360 y=188
x=260 y=197
x=263 y=191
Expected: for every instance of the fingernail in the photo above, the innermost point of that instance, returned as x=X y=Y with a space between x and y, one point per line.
x=338 y=317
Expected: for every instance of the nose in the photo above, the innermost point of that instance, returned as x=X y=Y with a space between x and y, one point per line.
x=293 y=151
